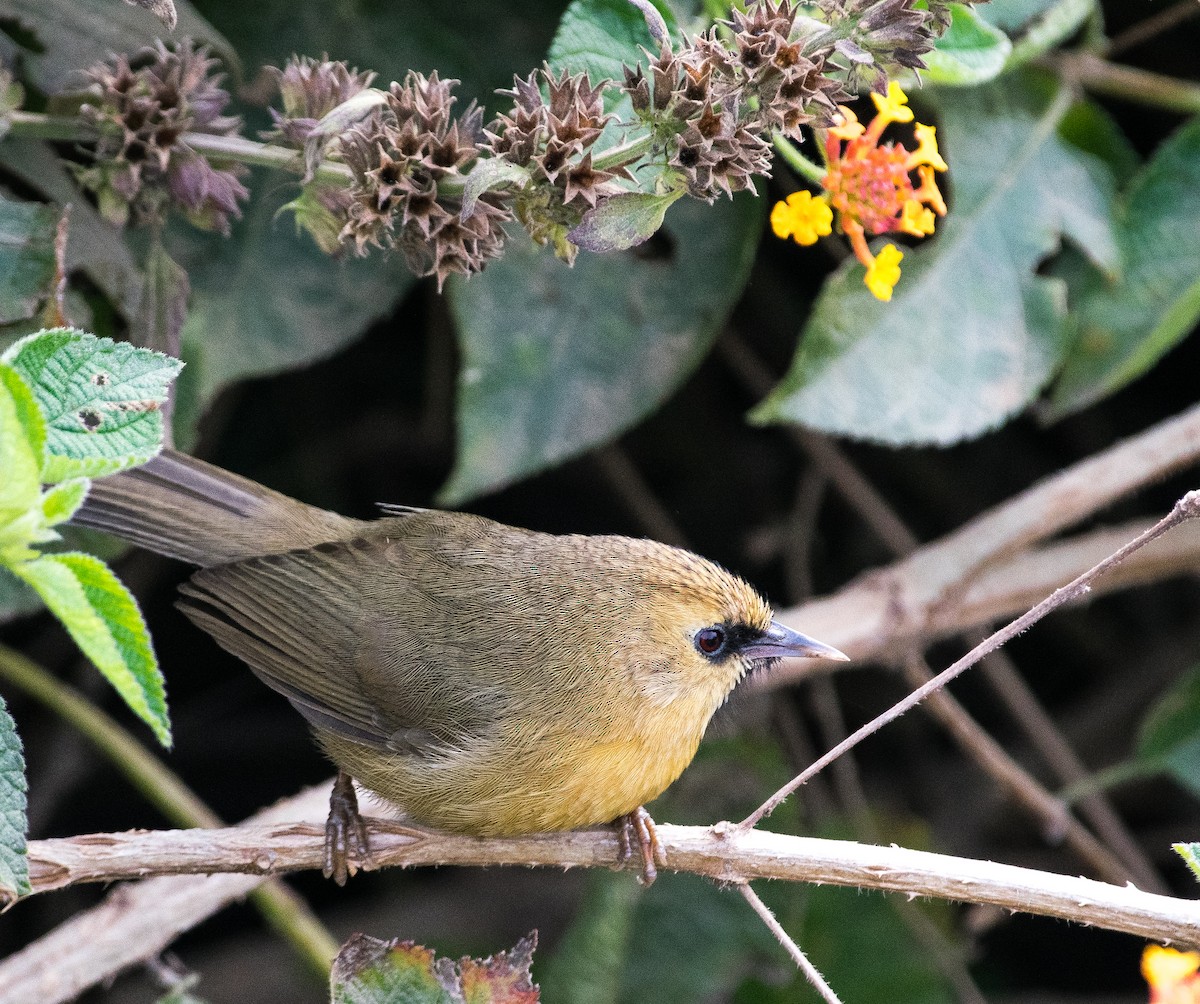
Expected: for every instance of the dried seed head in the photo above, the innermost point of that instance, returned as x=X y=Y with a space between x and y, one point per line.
x=141 y=116
x=310 y=89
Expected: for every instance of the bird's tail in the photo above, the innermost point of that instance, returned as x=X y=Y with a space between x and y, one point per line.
x=184 y=508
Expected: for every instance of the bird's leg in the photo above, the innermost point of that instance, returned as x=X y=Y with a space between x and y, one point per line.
x=346 y=846
x=639 y=825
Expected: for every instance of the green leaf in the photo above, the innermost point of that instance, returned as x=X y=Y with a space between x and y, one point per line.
x=1128 y=324
x=1046 y=26
x=598 y=36
x=972 y=333
x=970 y=52
x=162 y=307
x=558 y=360
x=14 y=865
x=101 y=400
x=60 y=502
x=495 y=172
x=267 y=300
x=71 y=35
x=103 y=619
x=622 y=221
x=1169 y=737
x=370 y=971
x=1093 y=130
x=1191 y=857
x=22 y=438
x=26 y=257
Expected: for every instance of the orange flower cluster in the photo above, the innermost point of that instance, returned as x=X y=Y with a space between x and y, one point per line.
x=1173 y=976
x=870 y=187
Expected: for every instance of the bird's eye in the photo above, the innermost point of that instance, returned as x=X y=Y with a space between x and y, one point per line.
x=710 y=640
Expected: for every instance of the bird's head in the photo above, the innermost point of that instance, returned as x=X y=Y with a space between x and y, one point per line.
x=709 y=628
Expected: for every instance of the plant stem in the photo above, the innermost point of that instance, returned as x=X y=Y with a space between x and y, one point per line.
x=1141 y=86
x=813 y=173
x=286 y=912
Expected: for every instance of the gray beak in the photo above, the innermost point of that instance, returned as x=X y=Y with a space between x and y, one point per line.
x=781 y=642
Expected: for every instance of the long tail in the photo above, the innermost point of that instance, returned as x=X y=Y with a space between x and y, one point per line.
x=184 y=508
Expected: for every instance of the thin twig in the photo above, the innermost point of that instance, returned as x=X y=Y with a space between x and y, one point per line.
x=1186 y=508
x=1149 y=27
x=638 y=497
x=1058 y=825
x=1127 y=82
x=810 y=971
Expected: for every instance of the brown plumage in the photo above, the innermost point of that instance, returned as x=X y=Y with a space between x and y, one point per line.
x=486 y=679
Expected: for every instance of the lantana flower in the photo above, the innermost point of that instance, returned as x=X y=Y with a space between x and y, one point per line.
x=871 y=188
x=1174 y=976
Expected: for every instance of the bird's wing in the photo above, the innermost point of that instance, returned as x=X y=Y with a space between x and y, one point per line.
x=358 y=649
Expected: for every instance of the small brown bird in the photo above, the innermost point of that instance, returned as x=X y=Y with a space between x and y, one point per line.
x=487 y=680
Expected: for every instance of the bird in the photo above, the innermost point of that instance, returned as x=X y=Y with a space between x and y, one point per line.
x=484 y=679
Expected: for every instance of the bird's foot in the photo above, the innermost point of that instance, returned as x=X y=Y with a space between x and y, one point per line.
x=346 y=846
x=638 y=825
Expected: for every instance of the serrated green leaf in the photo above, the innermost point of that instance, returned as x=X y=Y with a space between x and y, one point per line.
x=1126 y=325
x=598 y=36
x=973 y=332
x=104 y=620
x=101 y=400
x=1191 y=857
x=22 y=437
x=1169 y=736
x=558 y=360
x=970 y=52
x=60 y=502
x=622 y=221
x=26 y=257
x=14 y=865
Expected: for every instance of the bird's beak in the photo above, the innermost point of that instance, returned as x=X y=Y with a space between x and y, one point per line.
x=781 y=642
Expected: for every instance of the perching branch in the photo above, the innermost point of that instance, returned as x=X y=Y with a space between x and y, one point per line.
x=725 y=852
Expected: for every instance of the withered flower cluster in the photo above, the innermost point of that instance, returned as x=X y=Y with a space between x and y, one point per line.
x=440 y=186
x=142 y=163
x=402 y=157
x=552 y=139
x=310 y=89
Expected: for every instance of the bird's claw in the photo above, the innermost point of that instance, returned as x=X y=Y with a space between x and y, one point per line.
x=347 y=848
x=638 y=824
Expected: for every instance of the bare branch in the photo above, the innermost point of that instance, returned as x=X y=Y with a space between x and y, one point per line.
x=725 y=852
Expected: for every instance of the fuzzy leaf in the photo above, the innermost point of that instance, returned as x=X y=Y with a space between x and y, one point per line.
x=22 y=437
x=14 y=865
x=970 y=52
x=60 y=502
x=26 y=257
x=101 y=400
x=1127 y=324
x=494 y=172
x=1191 y=857
x=598 y=36
x=558 y=360
x=622 y=221
x=103 y=619
x=973 y=332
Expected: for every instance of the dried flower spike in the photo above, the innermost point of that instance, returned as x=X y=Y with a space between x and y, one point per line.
x=142 y=163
